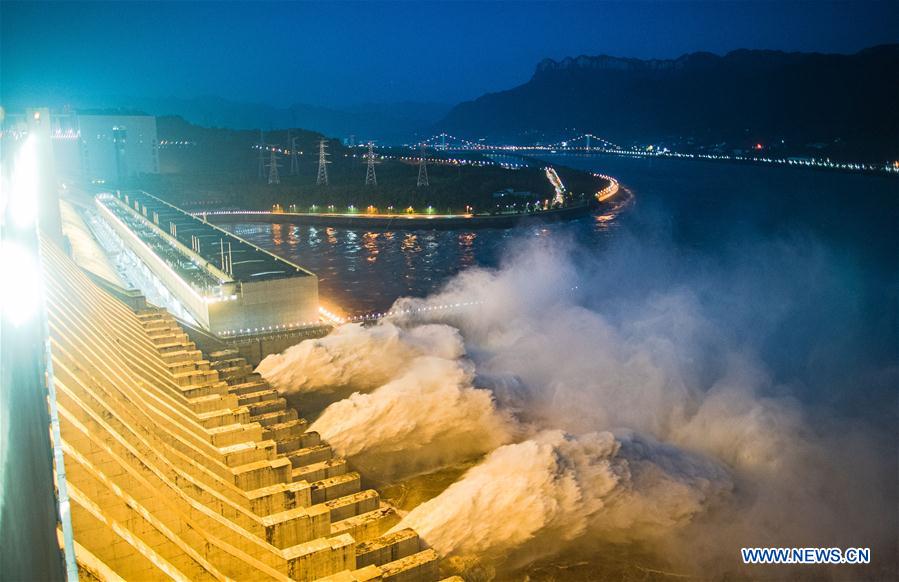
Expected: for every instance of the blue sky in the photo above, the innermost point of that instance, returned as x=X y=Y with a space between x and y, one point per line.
x=347 y=53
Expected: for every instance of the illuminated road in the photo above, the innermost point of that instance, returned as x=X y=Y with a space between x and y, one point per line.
x=558 y=186
x=329 y=318
x=609 y=191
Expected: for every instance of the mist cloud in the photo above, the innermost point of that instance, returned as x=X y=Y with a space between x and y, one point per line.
x=532 y=498
x=624 y=399
x=357 y=357
x=430 y=416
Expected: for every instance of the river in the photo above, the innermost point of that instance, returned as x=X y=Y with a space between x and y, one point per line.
x=793 y=270
x=817 y=250
x=703 y=206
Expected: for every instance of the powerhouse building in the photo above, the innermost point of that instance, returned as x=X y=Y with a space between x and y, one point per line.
x=228 y=285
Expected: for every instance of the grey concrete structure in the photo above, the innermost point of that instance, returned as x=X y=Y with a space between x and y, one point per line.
x=92 y=146
x=228 y=285
x=185 y=465
x=116 y=147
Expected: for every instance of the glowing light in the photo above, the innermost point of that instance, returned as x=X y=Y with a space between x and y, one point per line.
x=330 y=316
x=558 y=186
x=19 y=295
x=609 y=190
x=24 y=191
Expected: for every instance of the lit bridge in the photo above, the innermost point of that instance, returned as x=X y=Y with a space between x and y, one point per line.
x=585 y=143
x=590 y=143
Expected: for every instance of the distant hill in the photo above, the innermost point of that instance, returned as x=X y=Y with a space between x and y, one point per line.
x=840 y=103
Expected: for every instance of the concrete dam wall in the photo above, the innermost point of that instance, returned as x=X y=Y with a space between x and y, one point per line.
x=189 y=466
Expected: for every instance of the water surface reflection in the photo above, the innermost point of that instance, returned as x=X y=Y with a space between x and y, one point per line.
x=364 y=270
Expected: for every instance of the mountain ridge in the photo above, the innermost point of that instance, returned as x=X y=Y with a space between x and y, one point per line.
x=740 y=98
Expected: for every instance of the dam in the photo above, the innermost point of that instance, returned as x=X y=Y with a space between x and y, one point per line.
x=128 y=451
x=187 y=465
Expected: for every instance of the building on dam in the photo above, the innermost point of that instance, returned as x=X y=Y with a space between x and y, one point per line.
x=229 y=286
x=94 y=145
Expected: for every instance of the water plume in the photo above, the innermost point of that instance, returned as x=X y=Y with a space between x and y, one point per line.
x=532 y=498
x=353 y=358
x=428 y=417
x=706 y=423
x=690 y=352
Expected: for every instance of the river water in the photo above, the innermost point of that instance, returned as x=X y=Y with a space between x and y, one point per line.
x=706 y=207
x=802 y=262
x=795 y=268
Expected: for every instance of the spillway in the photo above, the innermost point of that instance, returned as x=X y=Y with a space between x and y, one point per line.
x=187 y=465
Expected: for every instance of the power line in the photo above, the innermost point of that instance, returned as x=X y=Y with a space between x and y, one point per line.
x=294 y=155
x=422 y=168
x=370 y=177
x=273 y=177
x=322 y=163
x=261 y=147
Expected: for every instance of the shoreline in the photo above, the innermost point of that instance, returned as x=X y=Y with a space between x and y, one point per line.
x=796 y=164
x=400 y=221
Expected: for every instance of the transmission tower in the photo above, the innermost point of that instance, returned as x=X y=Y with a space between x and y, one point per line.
x=422 y=168
x=261 y=146
x=294 y=155
x=370 y=177
x=273 y=177
x=322 y=162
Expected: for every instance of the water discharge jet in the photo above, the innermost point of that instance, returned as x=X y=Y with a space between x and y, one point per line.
x=727 y=453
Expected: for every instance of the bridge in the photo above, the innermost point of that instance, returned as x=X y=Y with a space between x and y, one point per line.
x=590 y=143
x=586 y=142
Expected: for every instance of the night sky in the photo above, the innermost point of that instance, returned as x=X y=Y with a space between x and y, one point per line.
x=352 y=53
